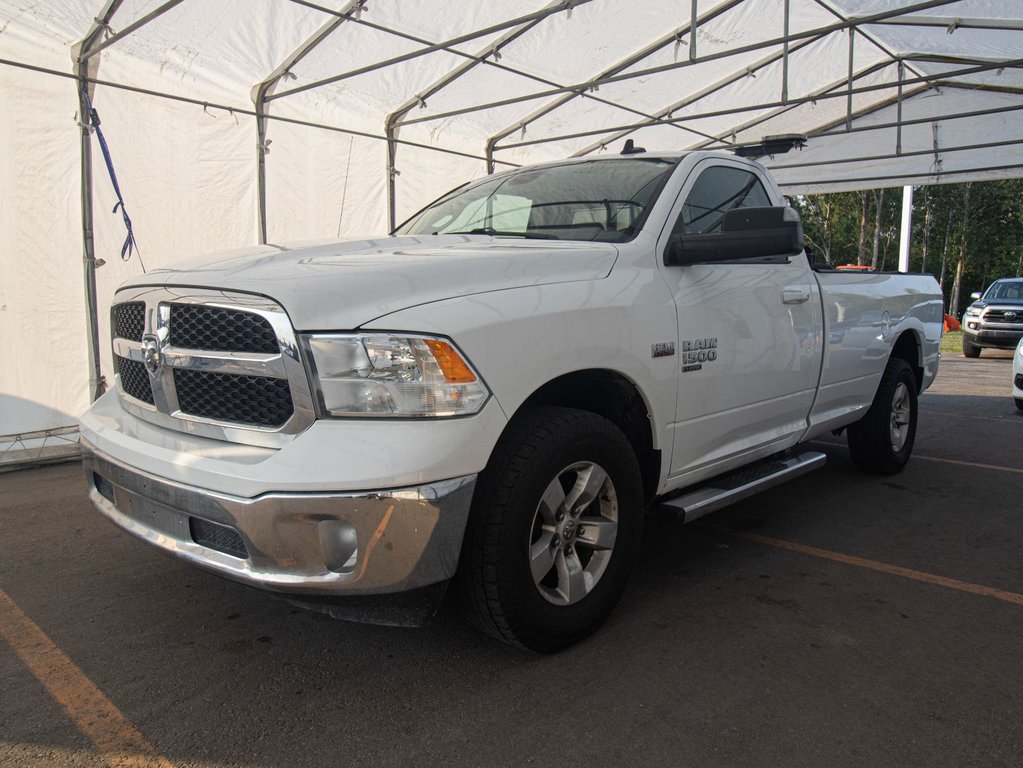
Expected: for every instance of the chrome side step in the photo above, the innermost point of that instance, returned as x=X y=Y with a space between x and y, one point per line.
x=727 y=489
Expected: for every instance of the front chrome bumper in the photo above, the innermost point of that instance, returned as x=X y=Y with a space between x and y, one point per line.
x=376 y=542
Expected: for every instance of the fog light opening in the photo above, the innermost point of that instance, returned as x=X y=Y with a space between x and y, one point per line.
x=339 y=543
x=104 y=486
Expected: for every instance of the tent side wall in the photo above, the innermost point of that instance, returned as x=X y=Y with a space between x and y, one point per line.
x=44 y=373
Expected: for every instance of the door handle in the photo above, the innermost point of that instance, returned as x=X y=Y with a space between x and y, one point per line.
x=794 y=296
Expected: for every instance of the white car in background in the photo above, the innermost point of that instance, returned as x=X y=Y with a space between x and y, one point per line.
x=1017 y=375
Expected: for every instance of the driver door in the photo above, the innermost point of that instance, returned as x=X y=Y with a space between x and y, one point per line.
x=749 y=352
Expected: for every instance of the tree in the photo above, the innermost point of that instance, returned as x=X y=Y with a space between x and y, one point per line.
x=977 y=235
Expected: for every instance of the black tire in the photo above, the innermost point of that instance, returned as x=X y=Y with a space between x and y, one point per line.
x=970 y=350
x=882 y=441
x=515 y=523
x=1019 y=402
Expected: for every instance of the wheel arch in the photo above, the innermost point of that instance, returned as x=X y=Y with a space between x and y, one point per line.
x=618 y=399
x=908 y=347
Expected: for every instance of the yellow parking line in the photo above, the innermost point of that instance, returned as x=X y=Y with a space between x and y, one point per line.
x=927 y=578
x=120 y=744
x=917 y=456
x=997 y=467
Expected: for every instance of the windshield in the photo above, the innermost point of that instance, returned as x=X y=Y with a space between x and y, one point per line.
x=603 y=200
x=1011 y=290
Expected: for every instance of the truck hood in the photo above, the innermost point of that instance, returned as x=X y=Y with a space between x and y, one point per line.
x=1011 y=303
x=342 y=285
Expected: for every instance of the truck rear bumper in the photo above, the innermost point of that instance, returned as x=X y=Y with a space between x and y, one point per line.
x=367 y=543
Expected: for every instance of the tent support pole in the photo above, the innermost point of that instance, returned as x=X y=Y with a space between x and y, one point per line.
x=131 y=28
x=693 y=19
x=849 y=99
x=392 y=123
x=898 y=115
x=261 y=170
x=96 y=385
x=785 y=56
x=565 y=95
x=944 y=79
x=607 y=78
x=262 y=93
x=907 y=228
x=79 y=55
x=667 y=113
x=489 y=154
x=915 y=153
x=392 y=172
x=448 y=46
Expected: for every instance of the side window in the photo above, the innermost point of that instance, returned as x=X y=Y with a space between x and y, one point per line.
x=718 y=189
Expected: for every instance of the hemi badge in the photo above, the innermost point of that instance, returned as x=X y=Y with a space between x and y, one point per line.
x=663 y=349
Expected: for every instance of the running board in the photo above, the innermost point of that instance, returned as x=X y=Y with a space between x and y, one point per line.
x=727 y=489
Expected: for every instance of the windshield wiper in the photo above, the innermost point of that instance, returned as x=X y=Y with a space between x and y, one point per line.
x=506 y=233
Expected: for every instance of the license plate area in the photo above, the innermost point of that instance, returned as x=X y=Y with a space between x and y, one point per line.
x=160 y=518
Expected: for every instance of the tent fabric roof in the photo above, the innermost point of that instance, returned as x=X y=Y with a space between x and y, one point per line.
x=272 y=120
x=533 y=80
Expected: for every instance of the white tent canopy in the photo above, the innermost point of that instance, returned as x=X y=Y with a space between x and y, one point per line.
x=234 y=123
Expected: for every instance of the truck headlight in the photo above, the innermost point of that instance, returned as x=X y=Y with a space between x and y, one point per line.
x=384 y=375
x=972 y=312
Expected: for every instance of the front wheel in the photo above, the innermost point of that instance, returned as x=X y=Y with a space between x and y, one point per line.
x=555 y=528
x=882 y=441
x=1019 y=402
x=970 y=349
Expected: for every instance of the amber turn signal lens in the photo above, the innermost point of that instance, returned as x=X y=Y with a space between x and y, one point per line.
x=451 y=363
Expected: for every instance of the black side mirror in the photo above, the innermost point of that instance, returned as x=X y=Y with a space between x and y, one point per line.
x=746 y=233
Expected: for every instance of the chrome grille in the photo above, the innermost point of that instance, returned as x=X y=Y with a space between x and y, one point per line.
x=130 y=320
x=220 y=330
x=211 y=363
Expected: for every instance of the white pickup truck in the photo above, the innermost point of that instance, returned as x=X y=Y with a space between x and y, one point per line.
x=497 y=391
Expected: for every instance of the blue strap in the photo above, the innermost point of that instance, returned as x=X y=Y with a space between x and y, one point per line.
x=130 y=246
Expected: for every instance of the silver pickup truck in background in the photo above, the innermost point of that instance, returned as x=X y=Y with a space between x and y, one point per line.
x=994 y=320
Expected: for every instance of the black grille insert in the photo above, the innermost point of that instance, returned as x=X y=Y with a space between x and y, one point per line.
x=215 y=329
x=999 y=315
x=130 y=320
x=135 y=380
x=256 y=400
x=222 y=538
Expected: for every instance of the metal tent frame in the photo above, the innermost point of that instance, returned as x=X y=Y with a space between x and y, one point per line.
x=682 y=114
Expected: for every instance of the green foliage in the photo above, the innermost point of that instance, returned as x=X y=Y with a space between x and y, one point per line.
x=952 y=343
x=992 y=230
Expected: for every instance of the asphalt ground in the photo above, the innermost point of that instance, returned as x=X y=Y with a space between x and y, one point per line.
x=841 y=619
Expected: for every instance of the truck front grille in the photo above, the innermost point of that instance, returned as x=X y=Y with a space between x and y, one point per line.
x=256 y=400
x=130 y=320
x=220 y=330
x=211 y=363
x=1004 y=316
x=135 y=380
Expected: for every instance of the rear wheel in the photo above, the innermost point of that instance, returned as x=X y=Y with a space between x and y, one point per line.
x=556 y=523
x=969 y=349
x=1019 y=402
x=882 y=441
